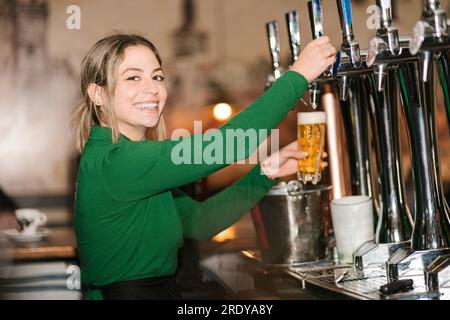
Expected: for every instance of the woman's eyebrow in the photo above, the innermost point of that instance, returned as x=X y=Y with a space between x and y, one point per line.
x=140 y=70
x=132 y=69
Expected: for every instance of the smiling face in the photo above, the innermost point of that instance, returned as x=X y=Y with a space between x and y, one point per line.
x=140 y=94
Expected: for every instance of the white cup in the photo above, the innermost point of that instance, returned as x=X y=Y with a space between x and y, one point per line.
x=353 y=224
x=30 y=220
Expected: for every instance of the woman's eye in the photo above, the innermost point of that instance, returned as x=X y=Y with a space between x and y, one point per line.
x=135 y=78
x=159 y=78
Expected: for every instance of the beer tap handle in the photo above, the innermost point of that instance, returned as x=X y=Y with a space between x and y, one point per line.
x=388 y=27
x=386 y=12
x=431 y=5
x=316 y=18
x=345 y=16
x=349 y=46
x=274 y=46
x=293 y=27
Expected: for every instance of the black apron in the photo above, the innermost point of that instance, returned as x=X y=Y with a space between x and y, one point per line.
x=160 y=288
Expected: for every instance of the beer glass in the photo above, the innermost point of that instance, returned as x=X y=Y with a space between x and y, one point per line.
x=311 y=139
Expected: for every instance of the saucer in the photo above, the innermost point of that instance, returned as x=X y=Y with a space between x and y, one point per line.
x=17 y=236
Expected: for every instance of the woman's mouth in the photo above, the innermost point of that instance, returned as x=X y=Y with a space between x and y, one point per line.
x=148 y=107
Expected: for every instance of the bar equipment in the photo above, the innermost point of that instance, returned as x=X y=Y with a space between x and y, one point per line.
x=438 y=273
x=387 y=52
x=273 y=35
x=431 y=233
x=290 y=224
x=352 y=72
x=394 y=259
x=316 y=19
x=431 y=37
x=322 y=91
x=291 y=221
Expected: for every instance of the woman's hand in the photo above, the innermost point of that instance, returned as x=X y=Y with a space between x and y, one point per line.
x=285 y=162
x=317 y=56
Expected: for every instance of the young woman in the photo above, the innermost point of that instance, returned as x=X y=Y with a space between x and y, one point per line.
x=130 y=218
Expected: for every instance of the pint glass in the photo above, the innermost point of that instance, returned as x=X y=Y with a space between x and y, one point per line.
x=311 y=139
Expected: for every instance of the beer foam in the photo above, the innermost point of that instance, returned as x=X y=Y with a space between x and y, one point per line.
x=311 y=117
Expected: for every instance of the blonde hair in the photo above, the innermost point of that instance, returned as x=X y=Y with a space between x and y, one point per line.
x=100 y=67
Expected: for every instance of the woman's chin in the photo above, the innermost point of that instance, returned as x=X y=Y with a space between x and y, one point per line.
x=150 y=124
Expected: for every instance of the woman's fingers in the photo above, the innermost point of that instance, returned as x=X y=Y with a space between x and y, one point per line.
x=330 y=61
x=315 y=58
x=295 y=154
x=292 y=146
x=328 y=50
x=322 y=40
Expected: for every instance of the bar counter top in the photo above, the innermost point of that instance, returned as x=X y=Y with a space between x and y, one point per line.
x=59 y=244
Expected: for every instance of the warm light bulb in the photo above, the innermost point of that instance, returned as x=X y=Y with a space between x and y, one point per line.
x=222 y=111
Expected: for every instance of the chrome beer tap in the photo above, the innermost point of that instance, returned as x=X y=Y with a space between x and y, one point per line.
x=316 y=19
x=431 y=38
x=431 y=34
x=352 y=74
x=351 y=62
x=387 y=51
x=273 y=35
x=387 y=48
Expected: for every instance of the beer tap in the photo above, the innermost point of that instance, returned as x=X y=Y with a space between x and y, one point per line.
x=350 y=55
x=293 y=26
x=273 y=35
x=351 y=73
x=431 y=37
x=387 y=51
x=387 y=47
x=316 y=19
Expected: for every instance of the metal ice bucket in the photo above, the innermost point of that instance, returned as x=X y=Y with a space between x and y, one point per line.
x=290 y=223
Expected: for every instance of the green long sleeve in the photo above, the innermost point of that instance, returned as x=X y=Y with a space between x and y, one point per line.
x=202 y=220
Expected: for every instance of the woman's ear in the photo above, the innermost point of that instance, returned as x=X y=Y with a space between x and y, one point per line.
x=95 y=92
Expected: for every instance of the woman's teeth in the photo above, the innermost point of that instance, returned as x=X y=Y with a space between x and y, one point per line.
x=146 y=106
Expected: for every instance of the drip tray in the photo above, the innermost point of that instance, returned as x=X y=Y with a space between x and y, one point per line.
x=344 y=280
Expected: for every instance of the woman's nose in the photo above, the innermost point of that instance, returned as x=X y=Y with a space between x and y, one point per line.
x=151 y=87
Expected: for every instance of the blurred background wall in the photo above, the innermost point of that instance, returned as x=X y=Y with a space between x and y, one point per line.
x=212 y=50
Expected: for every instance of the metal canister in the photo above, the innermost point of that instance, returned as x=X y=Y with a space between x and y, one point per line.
x=290 y=223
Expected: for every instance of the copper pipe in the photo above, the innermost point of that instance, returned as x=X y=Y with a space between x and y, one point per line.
x=337 y=155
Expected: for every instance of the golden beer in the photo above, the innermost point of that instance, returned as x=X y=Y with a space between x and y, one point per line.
x=311 y=139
